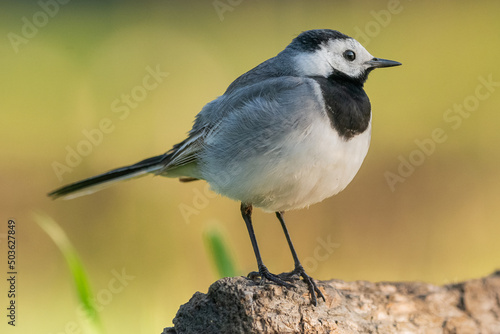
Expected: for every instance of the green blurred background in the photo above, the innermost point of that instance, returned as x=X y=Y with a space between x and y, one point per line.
x=440 y=225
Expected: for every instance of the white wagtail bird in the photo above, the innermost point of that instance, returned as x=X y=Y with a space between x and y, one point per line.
x=287 y=134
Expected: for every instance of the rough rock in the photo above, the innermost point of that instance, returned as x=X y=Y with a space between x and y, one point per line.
x=240 y=305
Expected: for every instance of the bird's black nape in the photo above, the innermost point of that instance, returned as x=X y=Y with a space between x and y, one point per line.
x=311 y=40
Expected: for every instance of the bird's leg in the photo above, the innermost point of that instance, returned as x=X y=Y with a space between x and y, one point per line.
x=246 y=212
x=299 y=270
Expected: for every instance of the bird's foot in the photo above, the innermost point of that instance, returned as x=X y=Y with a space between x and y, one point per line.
x=291 y=276
x=264 y=275
x=313 y=288
x=284 y=278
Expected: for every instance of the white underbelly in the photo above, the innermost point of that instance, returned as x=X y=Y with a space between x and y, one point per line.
x=325 y=169
x=308 y=168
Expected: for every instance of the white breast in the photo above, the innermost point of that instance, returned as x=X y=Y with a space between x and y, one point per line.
x=320 y=166
x=311 y=166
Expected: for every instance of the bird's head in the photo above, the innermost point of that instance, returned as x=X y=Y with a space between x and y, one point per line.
x=329 y=53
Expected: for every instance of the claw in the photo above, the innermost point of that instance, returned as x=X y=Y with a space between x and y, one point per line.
x=290 y=276
x=313 y=288
x=283 y=278
x=264 y=275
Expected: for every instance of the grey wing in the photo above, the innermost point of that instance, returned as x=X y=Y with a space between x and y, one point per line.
x=268 y=101
x=267 y=118
x=182 y=162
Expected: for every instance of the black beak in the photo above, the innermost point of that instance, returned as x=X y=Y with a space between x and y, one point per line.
x=378 y=62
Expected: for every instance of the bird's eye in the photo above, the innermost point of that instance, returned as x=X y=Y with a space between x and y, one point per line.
x=349 y=55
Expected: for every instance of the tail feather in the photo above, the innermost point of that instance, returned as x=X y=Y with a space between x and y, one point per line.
x=99 y=182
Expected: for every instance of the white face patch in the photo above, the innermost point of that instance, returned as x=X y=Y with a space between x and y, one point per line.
x=331 y=56
x=335 y=51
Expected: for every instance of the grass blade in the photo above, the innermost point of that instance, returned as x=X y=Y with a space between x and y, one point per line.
x=218 y=250
x=77 y=269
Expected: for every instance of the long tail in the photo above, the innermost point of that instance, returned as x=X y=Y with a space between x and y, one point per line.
x=99 y=182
